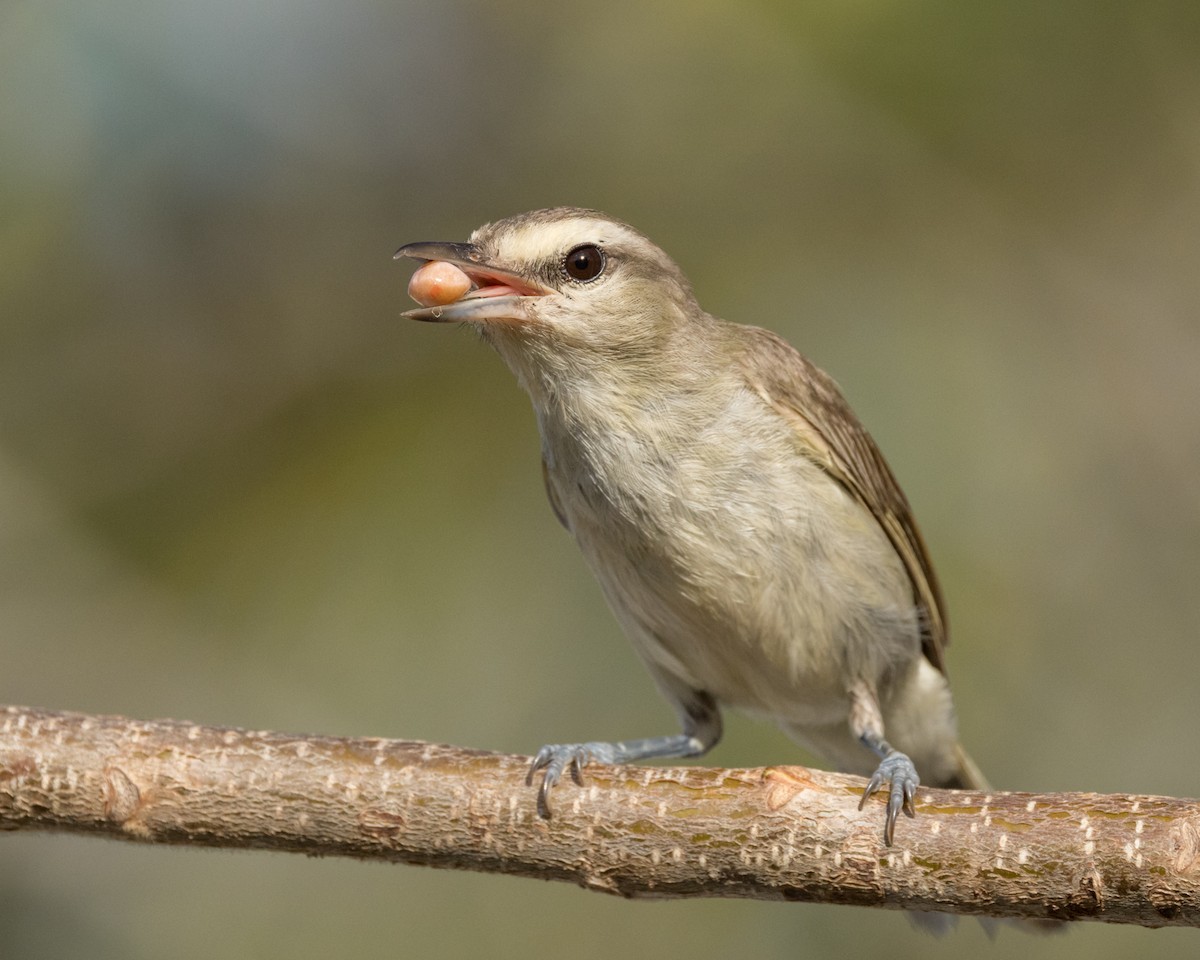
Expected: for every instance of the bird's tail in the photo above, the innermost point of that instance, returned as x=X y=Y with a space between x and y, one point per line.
x=968 y=776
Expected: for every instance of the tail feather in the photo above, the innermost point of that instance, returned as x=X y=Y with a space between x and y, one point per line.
x=968 y=776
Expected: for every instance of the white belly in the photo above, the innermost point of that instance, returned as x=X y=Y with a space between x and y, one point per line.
x=756 y=578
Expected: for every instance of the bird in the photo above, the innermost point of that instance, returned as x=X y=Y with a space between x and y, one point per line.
x=744 y=527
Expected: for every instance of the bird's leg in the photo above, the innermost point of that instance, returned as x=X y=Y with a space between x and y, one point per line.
x=701 y=730
x=895 y=768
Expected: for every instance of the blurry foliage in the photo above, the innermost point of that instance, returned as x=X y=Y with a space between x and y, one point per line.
x=235 y=487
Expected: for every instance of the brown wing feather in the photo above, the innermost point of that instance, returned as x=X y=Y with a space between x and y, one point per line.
x=807 y=396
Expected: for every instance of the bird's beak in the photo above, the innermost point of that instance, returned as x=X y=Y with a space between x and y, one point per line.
x=496 y=294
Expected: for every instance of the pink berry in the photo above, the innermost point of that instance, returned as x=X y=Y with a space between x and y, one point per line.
x=438 y=283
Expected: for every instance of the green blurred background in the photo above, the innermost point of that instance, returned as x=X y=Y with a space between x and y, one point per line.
x=236 y=488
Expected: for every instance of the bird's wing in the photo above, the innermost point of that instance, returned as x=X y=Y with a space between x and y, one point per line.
x=808 y=397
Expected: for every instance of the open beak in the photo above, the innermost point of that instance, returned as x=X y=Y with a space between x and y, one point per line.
x=496 y=293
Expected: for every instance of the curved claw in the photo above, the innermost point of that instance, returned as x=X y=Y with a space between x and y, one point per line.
x=903 y=781
x=555 y=758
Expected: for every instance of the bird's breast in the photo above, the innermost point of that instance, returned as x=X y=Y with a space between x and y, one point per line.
x=733 y=561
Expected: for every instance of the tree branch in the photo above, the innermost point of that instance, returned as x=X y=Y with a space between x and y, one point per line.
x=786 y=833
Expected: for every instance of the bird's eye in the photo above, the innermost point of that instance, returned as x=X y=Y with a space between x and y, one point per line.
x=584 y=263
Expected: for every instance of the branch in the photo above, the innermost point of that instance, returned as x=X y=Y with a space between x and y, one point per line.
x=786 y=833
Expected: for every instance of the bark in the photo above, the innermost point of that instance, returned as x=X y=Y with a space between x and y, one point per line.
x=786 y=833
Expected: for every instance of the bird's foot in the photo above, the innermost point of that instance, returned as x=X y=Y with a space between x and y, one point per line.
x=556 y=758
x=897 y=770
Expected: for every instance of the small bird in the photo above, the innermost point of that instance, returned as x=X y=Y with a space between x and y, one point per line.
x=744 y=527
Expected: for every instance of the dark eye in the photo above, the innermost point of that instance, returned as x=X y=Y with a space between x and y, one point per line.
x=584 y=263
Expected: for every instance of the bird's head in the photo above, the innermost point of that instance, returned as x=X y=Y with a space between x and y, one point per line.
x=559 y=285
